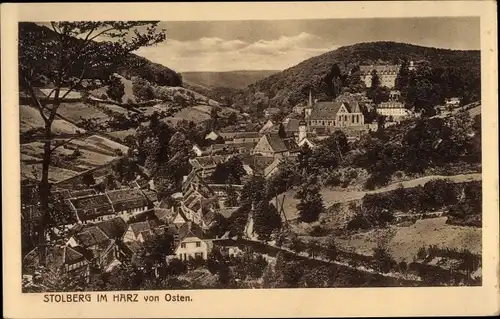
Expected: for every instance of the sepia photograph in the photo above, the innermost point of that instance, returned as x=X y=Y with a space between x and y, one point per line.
x=249 y=154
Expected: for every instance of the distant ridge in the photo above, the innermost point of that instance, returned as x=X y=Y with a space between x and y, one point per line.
x=238 y=79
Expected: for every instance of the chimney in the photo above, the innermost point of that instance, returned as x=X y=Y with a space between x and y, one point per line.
x=189 y=223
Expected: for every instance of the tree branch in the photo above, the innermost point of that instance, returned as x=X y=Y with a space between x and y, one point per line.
x=37 y=103
x=65 y=142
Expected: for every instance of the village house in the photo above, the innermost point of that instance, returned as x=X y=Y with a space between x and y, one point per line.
x=270 y=111
x=240 y=137
x=192 y=243
x=141 y=231
x=205 y=165
x=268 y=127
x=393 y=108
x=271 y=144
x=213 y=136
x=233 y=148
x=452 y=102
x=128 y=202
x=258 y=165
x=386 y=73
x=63 y=258
x=92 y=208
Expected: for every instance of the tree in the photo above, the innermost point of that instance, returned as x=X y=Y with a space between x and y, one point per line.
x=331 y=249
x=88 y=179
x=403 y=77
x=142 y=89
x=232 y=197
x=65 y=61
x=383 y=259
x=116 y=89
x=266 y=219
x=297 y=245
x=375 y=84
x=314 y=248
x=311 y=205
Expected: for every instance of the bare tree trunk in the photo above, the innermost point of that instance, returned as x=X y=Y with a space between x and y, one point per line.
x=44 y=191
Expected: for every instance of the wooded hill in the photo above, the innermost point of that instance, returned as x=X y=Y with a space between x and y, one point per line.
x=132 y=65
x=458 y=71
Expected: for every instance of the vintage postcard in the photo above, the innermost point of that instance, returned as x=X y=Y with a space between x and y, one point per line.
x=283 y=159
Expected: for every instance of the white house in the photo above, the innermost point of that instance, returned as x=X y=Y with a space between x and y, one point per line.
x=192 y=243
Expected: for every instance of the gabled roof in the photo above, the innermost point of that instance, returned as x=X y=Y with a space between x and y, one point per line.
x=91 y=202
x=190 y=229
x=72 y=256
x=140 y=227
x=258 y=163
x=276 y=143
x=325 y=110
x=91 y=236
x=113 y=228
x=291 y=125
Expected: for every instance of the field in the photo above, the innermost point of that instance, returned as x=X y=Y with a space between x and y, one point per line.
x=94 y=151
x=122 y=134
x=192 y=114
x=115 y=108
x=331 y=196
x=76 y=111
x=34 y=171
x=30 y=118
x=404 y=242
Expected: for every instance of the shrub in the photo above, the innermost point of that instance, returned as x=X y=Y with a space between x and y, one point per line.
x=359 y=221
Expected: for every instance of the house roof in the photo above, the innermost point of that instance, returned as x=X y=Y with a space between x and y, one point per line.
x=272 y=110
x=391 y=105
x=276 y=143
x=127 y=198
x=91 y=202
x=258 y=163
x=190 y=229
x=82 y=192
x=113 y=228
x=325 y=110
x=233 y=146
x=140 y=227
x=209 y=217
x=62 y=92
x=238 y=134
x=91 y=236
x=228 y=211
x=291 y=125
x=381 y=69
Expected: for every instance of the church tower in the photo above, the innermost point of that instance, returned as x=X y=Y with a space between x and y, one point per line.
x=308 y=109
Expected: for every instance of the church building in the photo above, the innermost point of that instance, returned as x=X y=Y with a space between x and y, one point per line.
x=333 y=115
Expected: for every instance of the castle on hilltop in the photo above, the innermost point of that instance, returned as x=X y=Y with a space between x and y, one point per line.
x=386 y=73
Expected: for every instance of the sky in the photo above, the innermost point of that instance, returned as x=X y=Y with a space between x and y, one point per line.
x=280 y=44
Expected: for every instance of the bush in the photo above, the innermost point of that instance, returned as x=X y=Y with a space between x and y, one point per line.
x=318 y=231
x=359 y=221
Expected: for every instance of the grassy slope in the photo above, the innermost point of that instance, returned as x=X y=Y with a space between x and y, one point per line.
x=404 y=242
x=331 y=197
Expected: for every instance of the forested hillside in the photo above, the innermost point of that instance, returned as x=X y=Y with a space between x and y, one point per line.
x=442 y=73
x=132 y=65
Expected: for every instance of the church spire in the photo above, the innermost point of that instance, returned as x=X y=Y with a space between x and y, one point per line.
x=310 y=103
